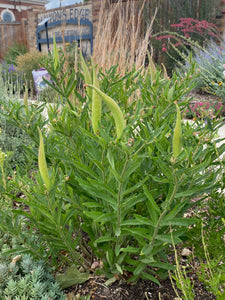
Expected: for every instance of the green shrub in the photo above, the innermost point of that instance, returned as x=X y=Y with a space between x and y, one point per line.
x=122 y=192
x=28 y=62
x=13 y=52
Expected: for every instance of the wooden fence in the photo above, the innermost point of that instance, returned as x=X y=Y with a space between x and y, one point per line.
x=11 y=33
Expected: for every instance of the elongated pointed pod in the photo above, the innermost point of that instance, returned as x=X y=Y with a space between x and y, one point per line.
x=25 y=98
x=55 y=54
x=87 y=75
x=165 y=74
x=153 y=70
x=177 y=135
x=115 y=109
x=42 y=163
x=96 y=103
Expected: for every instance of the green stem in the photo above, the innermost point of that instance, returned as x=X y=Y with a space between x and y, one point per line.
x=119 y=197
x=164 y=212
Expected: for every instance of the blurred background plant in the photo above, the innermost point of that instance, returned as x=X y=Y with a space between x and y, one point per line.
x=209 y=62
x=196 y=19
x=28 y=62
x=204 y=109
x=13 y=52
x=128 y=44
x=12 y=138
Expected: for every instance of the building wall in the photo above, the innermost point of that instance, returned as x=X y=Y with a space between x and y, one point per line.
x=18 y=8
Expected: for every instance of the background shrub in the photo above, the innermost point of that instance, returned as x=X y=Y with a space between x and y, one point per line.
x=12 y=138
x=13 y=52
x=28 y=62
x=210 y=67
x=170 y=14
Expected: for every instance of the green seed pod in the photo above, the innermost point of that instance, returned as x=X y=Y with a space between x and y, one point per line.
x=177 y=135
x=96 y=103
x=55 y=54
x=165 y=74
x=87 y=75
x=42 y=163
x=170 y=93
x=25 y=99
x=2 y=158
x=115 y=109
x=153 y=70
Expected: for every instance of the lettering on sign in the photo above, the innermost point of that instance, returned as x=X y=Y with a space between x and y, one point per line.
x=77 y=26
x=65 y=15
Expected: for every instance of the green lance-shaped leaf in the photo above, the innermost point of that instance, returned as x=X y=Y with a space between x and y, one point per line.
x=42 y=163
x=177 y=135
x=87 y=75
x=25 y=98
x=55 y=54
x=115 y=109
x=96 y=103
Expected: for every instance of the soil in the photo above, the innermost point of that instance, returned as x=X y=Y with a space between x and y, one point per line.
x=142 y=290
x=202 y=96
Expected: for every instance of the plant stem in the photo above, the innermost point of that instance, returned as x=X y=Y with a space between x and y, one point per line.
x=119 y=197
x=164 y=212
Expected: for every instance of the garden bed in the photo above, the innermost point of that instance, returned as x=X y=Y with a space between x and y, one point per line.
x=142 y=290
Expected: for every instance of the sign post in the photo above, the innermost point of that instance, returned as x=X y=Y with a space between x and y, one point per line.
x=45 y=23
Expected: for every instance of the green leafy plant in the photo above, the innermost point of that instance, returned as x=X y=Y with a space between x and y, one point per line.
x=122 y=190
x=212 y=273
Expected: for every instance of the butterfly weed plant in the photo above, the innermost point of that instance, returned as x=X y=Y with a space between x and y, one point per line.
x=108 y=188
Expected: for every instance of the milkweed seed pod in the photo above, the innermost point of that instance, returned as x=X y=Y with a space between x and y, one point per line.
x=96 y=103
x=25 y=99
x=115 y=109
x=55 y=54
x=2 y=158
x=177 y=135
x=42 y=163
x=87 y=75
x=165 y=74
x=152 y=66
x=170 y=94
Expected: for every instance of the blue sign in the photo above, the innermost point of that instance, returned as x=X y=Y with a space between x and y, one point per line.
x=79 y=16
